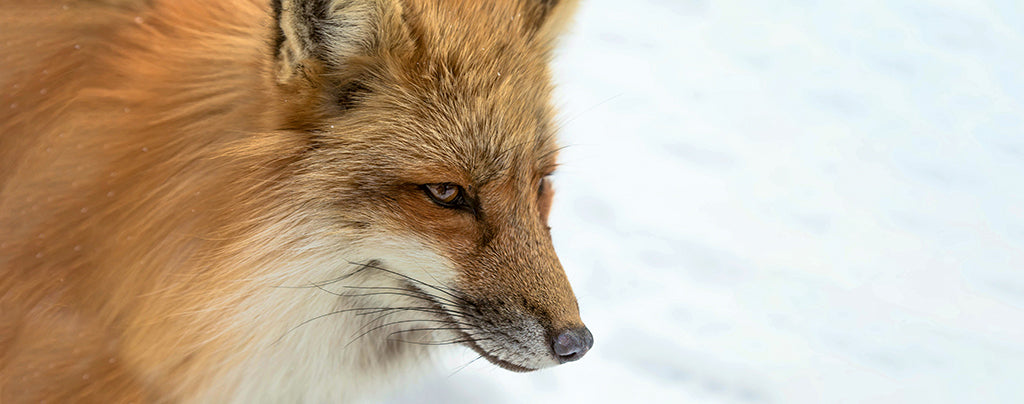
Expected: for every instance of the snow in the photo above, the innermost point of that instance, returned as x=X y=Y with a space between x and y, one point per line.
x=795 y=202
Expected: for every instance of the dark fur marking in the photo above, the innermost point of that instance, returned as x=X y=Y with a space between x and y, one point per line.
x=350 y=94
x=316 y=18
x=278 y=31
x=487 y=230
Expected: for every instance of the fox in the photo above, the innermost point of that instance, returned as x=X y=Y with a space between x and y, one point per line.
x=275 y=200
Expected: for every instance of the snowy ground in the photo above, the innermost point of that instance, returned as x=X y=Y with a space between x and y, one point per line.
x=803 y=201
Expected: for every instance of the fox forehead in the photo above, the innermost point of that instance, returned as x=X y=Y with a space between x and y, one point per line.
x=468 y=108
x=473 y=141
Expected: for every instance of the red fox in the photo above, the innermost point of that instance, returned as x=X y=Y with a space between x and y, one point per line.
x=274 y=201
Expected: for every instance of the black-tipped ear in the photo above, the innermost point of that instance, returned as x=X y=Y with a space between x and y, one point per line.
x=314 y=36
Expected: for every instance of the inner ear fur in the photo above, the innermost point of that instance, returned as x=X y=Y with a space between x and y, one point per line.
x=330 y=37
x=325 y=51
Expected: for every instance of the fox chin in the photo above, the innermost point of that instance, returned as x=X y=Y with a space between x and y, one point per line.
x=274 y=201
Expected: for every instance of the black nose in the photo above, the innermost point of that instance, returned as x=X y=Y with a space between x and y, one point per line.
x=572 y=344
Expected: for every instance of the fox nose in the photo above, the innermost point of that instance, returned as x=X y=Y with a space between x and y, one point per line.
x=572 y=344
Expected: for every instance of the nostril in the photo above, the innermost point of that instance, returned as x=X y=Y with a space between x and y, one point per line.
x=572 y=344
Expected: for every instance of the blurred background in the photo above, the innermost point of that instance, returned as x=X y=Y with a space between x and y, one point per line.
x=790 y=202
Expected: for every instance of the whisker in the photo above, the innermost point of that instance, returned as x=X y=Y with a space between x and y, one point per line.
x=425 y=294
x=379 y=326
x=556 y=150
x=439 y=308
x=448 y=320
x=452 y=342
x=427 y=329
x=402 y=331
x=371 y=310
x=431 y=274
x=317 y=318
x=376 y=265
x=504 y=152
x=419 y=309
x=325 y=283
x=370 y=265
x=478 y=357
x=423 y=297
x=460 y=319
x=563 y=122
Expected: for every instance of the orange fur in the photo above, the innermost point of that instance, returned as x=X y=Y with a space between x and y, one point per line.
x=163 y=175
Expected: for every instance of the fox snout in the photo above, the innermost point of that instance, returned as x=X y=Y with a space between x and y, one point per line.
x=507 y=298
x=523 y=312
x=522 y=336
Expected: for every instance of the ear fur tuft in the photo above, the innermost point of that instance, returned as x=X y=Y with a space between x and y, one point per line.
x=323 y=34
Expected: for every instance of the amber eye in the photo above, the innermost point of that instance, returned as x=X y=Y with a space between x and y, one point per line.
x=445 y=194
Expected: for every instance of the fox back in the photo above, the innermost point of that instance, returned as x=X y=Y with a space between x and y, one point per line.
x=283 y=201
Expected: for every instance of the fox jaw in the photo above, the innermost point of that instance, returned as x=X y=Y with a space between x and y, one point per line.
x=428 y=125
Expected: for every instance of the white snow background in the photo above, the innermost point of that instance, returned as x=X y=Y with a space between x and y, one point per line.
x=785 y=201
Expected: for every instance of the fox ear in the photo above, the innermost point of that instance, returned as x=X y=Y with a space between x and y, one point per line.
x=314 y=36
x=549 y=17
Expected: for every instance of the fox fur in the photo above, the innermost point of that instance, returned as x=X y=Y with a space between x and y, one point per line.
x=223 y=200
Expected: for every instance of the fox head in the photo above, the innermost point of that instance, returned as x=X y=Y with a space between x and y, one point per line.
x=428 y=125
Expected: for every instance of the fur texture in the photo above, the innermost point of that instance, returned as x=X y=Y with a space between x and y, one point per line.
x=223 y=201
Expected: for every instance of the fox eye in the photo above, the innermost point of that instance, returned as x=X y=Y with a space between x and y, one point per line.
x=445 y=194
x=543 y=185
